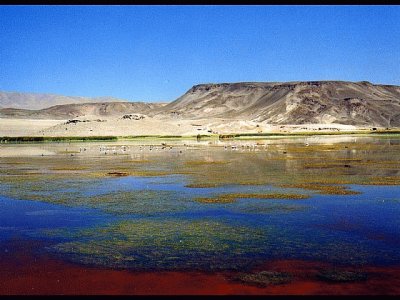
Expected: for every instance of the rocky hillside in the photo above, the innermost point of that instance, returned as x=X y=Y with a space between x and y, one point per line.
x=40 y=101
x=326 y=102
x=70 y=111
x=352 y=103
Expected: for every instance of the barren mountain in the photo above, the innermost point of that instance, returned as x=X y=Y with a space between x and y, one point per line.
x=313 y=102
x=40 y=101
x=352 y=103
x=70 y=111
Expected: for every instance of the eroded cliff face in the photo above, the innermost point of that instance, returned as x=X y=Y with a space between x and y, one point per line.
x=353 y=103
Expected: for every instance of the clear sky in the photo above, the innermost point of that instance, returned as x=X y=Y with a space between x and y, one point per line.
x=156 y=53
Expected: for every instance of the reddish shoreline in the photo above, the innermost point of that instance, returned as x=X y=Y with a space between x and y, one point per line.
x=24 y=273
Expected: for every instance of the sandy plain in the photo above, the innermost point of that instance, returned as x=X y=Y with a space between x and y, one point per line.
x=117 y=126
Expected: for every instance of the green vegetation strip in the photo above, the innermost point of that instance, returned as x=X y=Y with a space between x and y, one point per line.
x=307 y=133
x=134 y=137
x=24 y=139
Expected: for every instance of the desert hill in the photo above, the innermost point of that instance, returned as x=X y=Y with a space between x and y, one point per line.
x=37 y=101
x=352 y=103
x=220 y=108
x=70 y=111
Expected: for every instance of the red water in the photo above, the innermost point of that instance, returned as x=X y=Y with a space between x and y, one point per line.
x=23 y=272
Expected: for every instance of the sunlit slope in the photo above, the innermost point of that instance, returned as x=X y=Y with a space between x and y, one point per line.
x=353 y=103
x=69 y=111
x=316 y=102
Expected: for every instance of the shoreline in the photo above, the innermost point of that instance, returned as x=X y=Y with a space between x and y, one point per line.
x=233 y=136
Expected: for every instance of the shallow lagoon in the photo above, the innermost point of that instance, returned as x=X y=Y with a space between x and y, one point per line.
x=123 y=206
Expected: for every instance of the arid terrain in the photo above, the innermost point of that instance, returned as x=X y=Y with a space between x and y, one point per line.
x=247 y=107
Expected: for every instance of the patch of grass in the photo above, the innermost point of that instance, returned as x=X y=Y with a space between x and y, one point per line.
x=134 y=137
x=171 y=136
x=25 y=139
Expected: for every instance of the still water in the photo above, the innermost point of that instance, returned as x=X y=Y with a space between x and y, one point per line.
x=206 y=206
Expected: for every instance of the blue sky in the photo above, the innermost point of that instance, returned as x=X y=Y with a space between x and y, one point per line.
x=156 y=53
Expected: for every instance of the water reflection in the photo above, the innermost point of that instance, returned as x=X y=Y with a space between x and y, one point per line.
x=139 y=208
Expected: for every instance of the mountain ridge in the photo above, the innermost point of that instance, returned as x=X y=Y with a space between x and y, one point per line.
x=35 y=101
x=77 y=110
x=297 y=102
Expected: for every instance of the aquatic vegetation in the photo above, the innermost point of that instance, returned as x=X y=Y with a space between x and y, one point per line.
x=218 y=199
x=201 y=185
x=266 y=167
x=336 y=275
x=230 y=198
x=325 y=165
x=384 y=180
x=138 y=173
x=169 y=230
x=201 y=163
x=271 y=208
x=166 y=244
x=71 y=168
x=66 y=191
x=323 y=189
x=118 y=174
x=144 y=202
x=264 y=278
